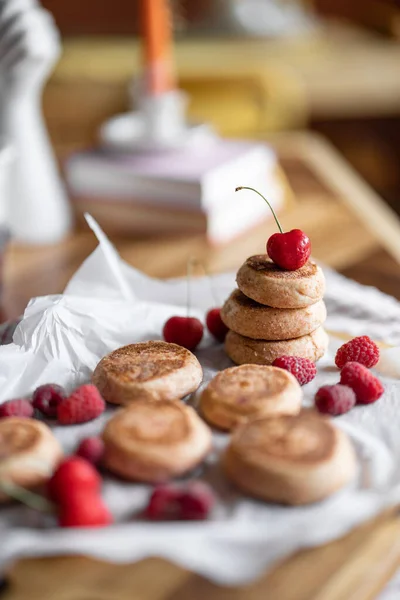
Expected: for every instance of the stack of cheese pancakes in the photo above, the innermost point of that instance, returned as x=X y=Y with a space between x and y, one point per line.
x=275 y=313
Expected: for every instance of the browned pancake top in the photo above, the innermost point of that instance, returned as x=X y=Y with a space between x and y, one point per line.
x=16 y=435
x=243 y=301
x=247 y=386
x=264 y=265
x=161 y=422
x=144 y=361
x=307 y=438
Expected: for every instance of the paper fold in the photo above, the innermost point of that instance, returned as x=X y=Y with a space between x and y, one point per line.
x=108 y=304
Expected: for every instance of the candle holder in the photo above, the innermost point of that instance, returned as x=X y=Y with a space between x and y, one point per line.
x=158 y=125
x=158 y=122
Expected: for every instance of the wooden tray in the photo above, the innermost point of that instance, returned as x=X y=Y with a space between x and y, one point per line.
x=353 y=231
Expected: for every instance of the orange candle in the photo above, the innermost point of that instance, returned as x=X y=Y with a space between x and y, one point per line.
x=157 y=45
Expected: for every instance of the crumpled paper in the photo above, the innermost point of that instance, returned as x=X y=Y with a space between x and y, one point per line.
x=108 y=304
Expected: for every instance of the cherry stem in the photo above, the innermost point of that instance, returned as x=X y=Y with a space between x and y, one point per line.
x=243 y=187
x=26 y=496
x=212 y=288
x=189 y=270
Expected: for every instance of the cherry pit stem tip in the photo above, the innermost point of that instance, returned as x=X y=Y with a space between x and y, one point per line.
x=243 y=187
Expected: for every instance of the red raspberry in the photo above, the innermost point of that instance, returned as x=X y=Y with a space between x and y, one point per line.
x=196 y=502
x=83 y=405
x=91 y=449
x=366 y=386
x=74 y=475
x=163 y=504
x=193 y=502
x=335 y=399
x=47 y=397
x=16 y=408
x=302 y=368
x=84 y=509
x=360 y=349
x=215 y=324
x=185 y=331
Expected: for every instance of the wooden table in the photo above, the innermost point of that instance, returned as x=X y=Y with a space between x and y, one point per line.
x=351 y=230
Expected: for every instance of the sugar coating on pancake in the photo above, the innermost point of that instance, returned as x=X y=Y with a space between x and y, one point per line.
x=287 y=438
x=153 y=370
x=244 y=350
x=17 y=436
x=252 y=319
x=155 y=440
x=263 y=281
x=238 y=394
x=290 y=459
x=263 y=264
x=146 y=361
x=165 y=423
x=29 y=452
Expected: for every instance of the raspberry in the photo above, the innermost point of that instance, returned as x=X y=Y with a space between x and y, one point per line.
x=193 y=502
x=215 y=324
x=163 y=504
x=84 y=509
x=91 y=449
x=83 y=405
x=335 y=399
x=360 y=349
x=74 y=475
x=196 y=502
x=302 y=368
x=16 y=408
x=47 y=397
x=366 y=386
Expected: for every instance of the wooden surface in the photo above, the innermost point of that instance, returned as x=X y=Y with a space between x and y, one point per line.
x=352 y=231
x=380 y=15
x=348 y=569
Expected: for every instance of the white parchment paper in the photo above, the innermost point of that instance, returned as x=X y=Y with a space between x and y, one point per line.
x=108 y=304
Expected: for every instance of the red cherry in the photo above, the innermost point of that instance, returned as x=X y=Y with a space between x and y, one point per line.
x=73 y=475
x=215 y=324
x=84 y=509
x=290 y=250
x=185 y=331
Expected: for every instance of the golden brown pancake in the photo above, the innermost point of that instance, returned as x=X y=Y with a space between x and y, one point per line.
x=243 y=350
x=290 y=459
x=257 y=321
x=147 y=370
x=239 y=394
x=29 y=453
x=263 y=281
x=155 y=441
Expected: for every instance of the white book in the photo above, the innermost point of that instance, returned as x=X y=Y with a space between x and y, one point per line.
x=201 y=180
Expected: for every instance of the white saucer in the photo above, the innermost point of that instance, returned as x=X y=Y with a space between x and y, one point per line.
x=126 y=133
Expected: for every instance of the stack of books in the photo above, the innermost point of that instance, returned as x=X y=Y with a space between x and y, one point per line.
x=186 y=191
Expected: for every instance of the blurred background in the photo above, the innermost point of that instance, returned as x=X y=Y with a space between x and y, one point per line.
x=158 y=109
x=251 y=68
